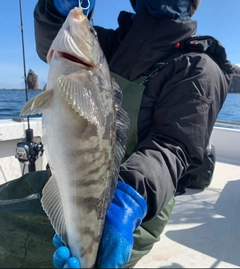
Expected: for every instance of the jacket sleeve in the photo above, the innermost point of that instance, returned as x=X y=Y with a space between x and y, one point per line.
x=47 y=22
x=190 y=98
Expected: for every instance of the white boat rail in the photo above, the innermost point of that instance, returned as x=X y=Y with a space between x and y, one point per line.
x=226 y=140
x=227 y=124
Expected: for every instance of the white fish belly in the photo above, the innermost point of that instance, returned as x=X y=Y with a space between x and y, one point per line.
x=81 y=161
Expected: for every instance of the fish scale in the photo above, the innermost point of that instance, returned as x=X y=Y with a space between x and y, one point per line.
x=84 y=135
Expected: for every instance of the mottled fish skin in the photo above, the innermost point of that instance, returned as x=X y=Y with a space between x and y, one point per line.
x=79 y=117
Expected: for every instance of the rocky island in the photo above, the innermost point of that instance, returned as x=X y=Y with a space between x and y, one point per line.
x=32 y=80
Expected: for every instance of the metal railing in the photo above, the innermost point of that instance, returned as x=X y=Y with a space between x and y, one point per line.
x=227 y=124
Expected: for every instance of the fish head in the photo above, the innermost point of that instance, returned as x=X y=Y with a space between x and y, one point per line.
x=76 y=42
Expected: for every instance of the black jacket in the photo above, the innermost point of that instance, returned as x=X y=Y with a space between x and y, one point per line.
x=180 y=103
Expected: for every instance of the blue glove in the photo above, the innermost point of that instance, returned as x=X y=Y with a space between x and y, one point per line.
x=64 y=6
x=61 y=257
x=125 y=214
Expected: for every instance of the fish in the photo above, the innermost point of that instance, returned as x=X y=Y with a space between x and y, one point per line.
x=84 y=131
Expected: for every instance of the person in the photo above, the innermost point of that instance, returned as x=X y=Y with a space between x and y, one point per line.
x=174 y=84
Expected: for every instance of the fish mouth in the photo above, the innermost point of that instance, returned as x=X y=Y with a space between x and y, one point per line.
x=75 y=60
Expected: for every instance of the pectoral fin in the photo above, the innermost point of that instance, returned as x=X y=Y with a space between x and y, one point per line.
x=37 y=103
x=81 y=99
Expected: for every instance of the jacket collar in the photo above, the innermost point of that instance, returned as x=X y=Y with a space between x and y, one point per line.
x=147 y=40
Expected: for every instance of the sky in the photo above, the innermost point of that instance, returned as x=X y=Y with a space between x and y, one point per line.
x=219 y=18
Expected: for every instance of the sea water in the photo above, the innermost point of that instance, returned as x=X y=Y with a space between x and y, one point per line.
x=12 y=101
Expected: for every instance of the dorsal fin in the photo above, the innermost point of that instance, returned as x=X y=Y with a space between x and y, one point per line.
x=122 y=122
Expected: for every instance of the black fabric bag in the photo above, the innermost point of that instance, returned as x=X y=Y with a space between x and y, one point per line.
x=25 y=230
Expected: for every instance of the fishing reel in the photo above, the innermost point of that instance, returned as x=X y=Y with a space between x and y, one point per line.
x=28 y=151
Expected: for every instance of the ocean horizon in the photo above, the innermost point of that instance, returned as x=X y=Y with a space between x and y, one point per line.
x=12 y=101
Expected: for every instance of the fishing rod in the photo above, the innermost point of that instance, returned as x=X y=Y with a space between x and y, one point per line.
x=27 y=150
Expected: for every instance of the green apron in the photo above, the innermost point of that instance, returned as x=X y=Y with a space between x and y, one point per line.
x=132 y=97
x=26 y=233
x=149 y=232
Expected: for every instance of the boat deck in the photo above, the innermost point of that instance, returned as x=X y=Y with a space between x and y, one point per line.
x=204 y=228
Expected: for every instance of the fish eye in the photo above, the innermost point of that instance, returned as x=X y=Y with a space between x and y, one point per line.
x=92 y=30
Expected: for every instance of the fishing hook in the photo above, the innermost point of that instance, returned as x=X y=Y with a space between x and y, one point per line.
x=84 y=8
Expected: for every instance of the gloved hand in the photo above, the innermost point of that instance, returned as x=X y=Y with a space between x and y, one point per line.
x=61 y=257
x=64 y=6
x=125 y=214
